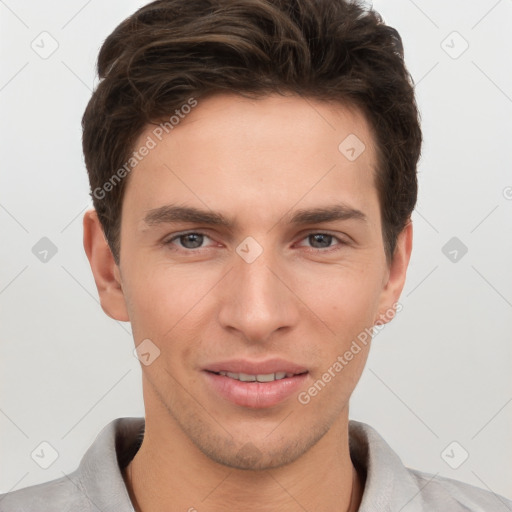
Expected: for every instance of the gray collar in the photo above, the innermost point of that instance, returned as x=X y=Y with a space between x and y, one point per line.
x=97 y=485
x=387 y=480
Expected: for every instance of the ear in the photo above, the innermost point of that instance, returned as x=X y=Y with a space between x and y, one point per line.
x=397 y=270
x=106 y=273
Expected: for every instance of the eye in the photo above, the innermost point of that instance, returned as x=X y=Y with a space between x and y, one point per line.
x=321 y=241
x=190 y=240
x=194 y=240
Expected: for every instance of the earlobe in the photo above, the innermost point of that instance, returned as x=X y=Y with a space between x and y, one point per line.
x=105 y=271
x=396 y=277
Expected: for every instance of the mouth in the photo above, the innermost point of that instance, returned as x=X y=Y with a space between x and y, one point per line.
x=261 y=377
x=255 y=384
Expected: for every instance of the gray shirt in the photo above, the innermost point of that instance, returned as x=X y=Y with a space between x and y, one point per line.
x=97 y=484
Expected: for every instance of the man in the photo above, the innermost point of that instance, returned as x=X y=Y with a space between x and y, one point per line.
x=253 y=172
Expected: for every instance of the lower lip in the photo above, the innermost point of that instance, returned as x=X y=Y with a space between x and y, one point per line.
x=255 y=394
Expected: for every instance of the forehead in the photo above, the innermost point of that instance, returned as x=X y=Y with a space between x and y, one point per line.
x=293 y=117
x=268 y=153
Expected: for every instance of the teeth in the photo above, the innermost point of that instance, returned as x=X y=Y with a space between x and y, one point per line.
x=245 y=377
x=268 y=377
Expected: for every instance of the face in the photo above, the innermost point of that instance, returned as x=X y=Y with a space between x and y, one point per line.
x=251 y=244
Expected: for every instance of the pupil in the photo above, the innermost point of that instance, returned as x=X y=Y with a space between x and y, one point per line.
x=197 y=240
x=319 y=237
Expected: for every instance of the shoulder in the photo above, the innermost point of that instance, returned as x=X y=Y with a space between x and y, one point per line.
x=390 y=485
x=441 y=493
x=62 y=494
x=96 y=485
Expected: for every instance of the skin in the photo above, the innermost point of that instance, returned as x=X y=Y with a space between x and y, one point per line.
x=257 y=162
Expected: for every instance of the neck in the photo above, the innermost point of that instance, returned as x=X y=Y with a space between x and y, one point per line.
x=170 y=473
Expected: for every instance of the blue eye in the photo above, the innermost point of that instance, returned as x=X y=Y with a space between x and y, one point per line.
x=323 y=239
x=320 y=242
x=323 y=242
x=191 y=240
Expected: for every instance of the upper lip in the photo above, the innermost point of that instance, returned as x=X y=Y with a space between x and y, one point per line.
x=256 y=367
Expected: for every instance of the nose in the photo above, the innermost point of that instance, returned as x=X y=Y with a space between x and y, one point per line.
x=257 y=299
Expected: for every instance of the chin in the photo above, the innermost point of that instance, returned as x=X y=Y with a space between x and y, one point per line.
x=254 y=454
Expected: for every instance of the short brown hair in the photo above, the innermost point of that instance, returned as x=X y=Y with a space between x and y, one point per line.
x=172 y=50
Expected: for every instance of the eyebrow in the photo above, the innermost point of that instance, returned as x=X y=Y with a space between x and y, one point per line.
x=169 y=214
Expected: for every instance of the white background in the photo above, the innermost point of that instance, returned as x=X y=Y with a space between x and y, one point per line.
x=440 y=372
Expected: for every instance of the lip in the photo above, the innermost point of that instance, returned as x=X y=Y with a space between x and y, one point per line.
x=257 y=395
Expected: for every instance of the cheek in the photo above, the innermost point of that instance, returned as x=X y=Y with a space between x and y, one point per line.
x=348 y=310
x=167 y=305
x=346 y=302
x=345 y=297
x=155 y=301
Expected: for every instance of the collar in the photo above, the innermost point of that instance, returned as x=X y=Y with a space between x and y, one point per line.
x=389 y=485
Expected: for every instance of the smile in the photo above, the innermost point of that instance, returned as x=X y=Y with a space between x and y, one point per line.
x=246 y=377
x=259 y=390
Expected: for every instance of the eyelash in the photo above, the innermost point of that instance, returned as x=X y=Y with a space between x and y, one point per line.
x=336 y=247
